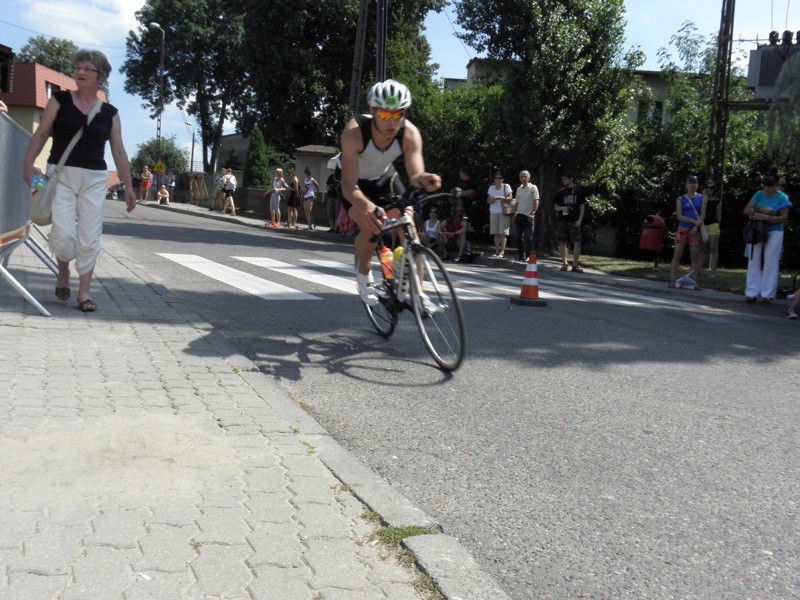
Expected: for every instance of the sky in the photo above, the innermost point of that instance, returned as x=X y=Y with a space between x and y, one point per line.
x=649 y=25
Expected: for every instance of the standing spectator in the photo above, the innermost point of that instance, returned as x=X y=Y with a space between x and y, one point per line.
x=712 y=222
x=464 y=193
x=332 y=201
x=171 y=184
x=453 y=237
x=278 y=189
x=81 y=190
x=136 y=182
x=293 y=201
x=690 y=210
x=196 y=188
x=527 y=205
x=499 y=194
x=228 y=188
x=146 y=183
x=570 y=203
x=163 y=195
x=310 y=189
x=770 y=205
x=219 y=190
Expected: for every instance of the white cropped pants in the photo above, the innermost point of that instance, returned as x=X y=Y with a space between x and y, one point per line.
x=78 y=216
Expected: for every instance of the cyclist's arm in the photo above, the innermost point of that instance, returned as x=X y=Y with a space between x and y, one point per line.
x=415 y=164
x=363 y=209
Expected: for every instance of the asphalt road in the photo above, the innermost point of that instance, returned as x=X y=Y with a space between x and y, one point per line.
x=610 y=444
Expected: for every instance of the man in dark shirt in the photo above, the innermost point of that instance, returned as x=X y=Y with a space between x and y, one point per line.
x=569 y=204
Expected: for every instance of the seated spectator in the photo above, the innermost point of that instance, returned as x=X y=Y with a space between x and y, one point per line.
x=163 y=195
x=430 y=229
x=453 y=237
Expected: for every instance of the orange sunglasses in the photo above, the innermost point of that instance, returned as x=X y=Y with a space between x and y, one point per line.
x=385 y=115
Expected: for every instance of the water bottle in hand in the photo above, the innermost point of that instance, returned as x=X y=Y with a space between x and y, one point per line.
x=38 y=182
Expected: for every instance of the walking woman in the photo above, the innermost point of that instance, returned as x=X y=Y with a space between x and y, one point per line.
x=78 y=204
x=310 y=189
x=763 y=268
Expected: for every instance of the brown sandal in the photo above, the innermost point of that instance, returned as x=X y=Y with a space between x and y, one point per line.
x=672 y=284
x=62 y=293
x=87 y=305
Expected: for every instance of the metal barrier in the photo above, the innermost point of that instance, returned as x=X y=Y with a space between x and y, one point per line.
x=15 y=227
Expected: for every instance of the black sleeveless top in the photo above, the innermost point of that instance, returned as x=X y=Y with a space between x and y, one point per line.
x=89 y=152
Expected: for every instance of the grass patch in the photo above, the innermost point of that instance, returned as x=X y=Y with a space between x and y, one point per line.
x=394 y=535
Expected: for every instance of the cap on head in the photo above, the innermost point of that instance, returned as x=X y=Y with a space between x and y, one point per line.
x=389 y=94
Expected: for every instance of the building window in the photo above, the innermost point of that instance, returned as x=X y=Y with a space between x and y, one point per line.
x=51 y=89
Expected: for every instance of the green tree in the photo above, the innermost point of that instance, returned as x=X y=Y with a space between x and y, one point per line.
x=173 y=156
x=299 y=66
x=203 y=71
x=54 y=53
x=564 y=75
x=256 y=171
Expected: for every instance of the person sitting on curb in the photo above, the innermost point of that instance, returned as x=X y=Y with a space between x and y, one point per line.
x=430 y=229
x=453 y=237
x=163 y=195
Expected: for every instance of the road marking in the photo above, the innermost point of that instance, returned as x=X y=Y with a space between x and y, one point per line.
x=238 y=279
x=343 y=284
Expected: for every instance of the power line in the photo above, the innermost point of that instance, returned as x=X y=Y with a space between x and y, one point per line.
x=453 y=27
x=60 y=38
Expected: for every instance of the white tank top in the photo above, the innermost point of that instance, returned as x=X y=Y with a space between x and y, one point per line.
x=372 y=162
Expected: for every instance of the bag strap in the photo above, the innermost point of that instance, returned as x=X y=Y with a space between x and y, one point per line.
x=77 y=136
x=692 y=205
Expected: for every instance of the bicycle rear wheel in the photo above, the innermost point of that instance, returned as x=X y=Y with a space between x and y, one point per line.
x=439 y=318
x=383 y=315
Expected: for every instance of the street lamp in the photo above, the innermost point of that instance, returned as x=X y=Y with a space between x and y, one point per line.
x=160 y=88
x=191 y=160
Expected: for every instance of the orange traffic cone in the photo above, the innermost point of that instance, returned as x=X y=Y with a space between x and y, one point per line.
x=529 y=294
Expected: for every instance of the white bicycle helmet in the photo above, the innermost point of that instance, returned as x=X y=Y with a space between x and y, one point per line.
x=389 y=94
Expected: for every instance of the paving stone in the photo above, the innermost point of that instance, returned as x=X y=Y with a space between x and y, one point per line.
x=167 y=548
x=280 y=582
x=271 y=508
x=50 y=551
x=223 y=525
x=221 y=571
x=156 y=585
x=276 y=544
x=102 y=573
x=266 y=480
x=335 y=565
x=173 y=512
x=31 y=586
x=313 y=489
x=117 y=528
x=322 y=521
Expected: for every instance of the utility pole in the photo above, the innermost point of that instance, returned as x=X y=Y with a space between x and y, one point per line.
x=358 y=56
x=720 y=105
x=380 y=53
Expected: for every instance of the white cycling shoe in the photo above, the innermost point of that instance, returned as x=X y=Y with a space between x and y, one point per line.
x=429 y=306
x=366 y=289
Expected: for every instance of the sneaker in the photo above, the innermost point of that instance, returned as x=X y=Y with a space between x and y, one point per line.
x=577 y=269
x=430 y=307
x=366 y=289
x=790 y=297
x=791 y=313
x=749 y=299
x=766 y=300
x=564 y=268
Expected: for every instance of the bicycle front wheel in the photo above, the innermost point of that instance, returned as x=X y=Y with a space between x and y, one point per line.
x=437 y=309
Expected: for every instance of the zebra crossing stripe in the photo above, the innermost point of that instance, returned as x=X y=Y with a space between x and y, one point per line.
x=342 y=284
x=238 y=279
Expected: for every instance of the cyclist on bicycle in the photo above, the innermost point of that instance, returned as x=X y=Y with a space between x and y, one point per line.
x=370 y=144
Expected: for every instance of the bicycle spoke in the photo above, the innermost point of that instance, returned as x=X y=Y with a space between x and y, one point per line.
x=437 y=310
